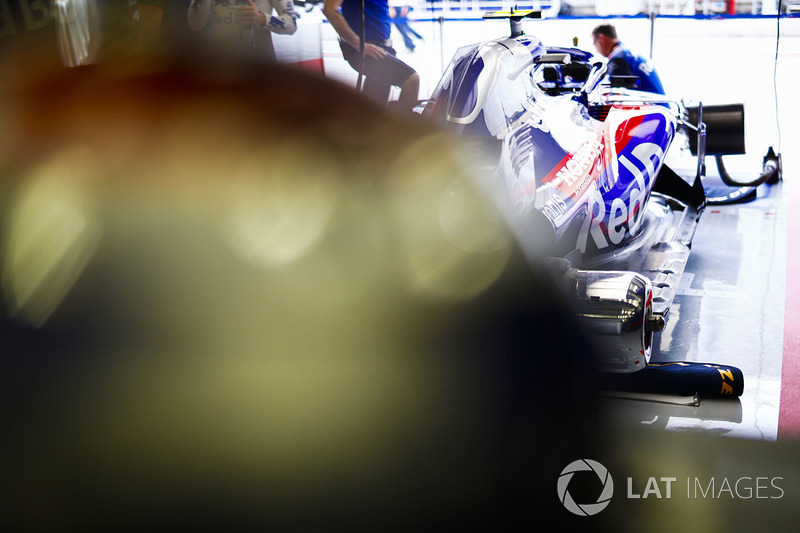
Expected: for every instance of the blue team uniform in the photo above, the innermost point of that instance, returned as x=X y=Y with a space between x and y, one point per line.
x=623 y=62
x=376 y=13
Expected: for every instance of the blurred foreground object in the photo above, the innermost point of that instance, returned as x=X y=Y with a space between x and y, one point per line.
x=222 y=314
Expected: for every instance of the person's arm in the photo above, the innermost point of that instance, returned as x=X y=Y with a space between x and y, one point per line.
x=286 y=20
x=335 y=17
x=198 y=14
x=260 y=16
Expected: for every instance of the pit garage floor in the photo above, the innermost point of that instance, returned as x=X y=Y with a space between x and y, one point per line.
x=737 y=304
x=729 y=310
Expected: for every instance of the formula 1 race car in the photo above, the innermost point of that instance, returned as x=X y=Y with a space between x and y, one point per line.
x=580 y=166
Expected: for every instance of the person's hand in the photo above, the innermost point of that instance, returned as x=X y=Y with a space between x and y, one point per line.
x=250 y=16
x=374 y=51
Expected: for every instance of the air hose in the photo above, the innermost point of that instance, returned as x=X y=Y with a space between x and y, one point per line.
x=770 y=172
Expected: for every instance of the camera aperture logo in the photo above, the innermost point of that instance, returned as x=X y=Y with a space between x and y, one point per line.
x=585 y=509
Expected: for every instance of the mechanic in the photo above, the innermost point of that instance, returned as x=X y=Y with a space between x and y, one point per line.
x=623 y=62
x=243 y=25
x=381 y=66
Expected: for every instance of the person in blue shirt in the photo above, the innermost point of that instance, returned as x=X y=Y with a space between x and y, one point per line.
x=623 y=62
x=381 y=67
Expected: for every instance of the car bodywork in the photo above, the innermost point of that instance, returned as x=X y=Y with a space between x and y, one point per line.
x=578 y=165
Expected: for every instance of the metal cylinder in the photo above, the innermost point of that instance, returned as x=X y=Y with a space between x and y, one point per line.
x=724 y=128
x=616 y=310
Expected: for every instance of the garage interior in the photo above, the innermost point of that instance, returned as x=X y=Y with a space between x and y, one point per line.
x=144 y=401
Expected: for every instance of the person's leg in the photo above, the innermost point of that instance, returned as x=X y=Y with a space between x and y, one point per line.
x=408 y=10
x=376 y=88
x=404 y=31
x=396 y=73
x=382 y=74
x=375 y=85
x=409 y=93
